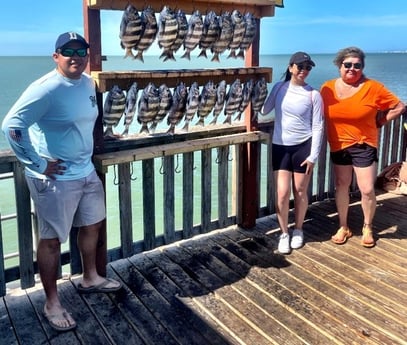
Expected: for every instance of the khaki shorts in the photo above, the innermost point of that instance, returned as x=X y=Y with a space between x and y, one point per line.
x=59 y=205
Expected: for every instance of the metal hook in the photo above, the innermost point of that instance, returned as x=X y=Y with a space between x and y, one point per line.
x=231 y=157
x=131 y=172
x=177 y=169
x=162 y=171
x=115 y=180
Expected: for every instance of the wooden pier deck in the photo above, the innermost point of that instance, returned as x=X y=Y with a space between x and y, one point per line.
x=231 y=287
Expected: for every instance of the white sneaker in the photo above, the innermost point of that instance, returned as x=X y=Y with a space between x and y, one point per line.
x=297 y=239
x=284 y=244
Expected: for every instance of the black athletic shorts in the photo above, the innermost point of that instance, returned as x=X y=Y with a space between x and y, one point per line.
x=358 y=155
x=290 y=157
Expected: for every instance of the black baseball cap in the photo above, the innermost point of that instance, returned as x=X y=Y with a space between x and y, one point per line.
x=300 y=57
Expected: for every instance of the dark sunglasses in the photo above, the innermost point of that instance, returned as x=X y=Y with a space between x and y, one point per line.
x=69 y=52
x=356 y=65
x=301 y=67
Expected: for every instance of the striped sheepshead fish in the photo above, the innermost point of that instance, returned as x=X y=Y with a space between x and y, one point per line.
x=233 y=100
x=259 y=95
x=113 y=109
x=167 y=29
x=149 y=29
x=181 y=34
x=246 y=98
x=249 y=35
x=239 y=29
x=179 y=103
x=148 y=106
x=165 y=97
x=207 y=101
x=225 y=36
x=192 y=104
x=130 y=30
x=130 y=107
x=220 y=101
x=210 y=32
x=195 y=28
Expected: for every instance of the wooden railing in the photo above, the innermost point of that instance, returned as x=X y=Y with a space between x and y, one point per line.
x=209 y=179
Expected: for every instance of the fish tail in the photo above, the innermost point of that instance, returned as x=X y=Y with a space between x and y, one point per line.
x=240 y=54
x=213 y=122
x=203 y=53
x=232 y=54
x=187 y=55
x=139 y=56
x=215 y=57
x=144 y=129
x=228 y=120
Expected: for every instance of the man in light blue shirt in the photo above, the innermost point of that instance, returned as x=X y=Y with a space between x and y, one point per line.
x=50 y=129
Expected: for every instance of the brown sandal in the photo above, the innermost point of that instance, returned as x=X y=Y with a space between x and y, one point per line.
x=367 y=236
x=341 y=235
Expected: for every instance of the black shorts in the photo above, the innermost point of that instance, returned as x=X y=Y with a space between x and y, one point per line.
x=290 y=157
x=358 y=155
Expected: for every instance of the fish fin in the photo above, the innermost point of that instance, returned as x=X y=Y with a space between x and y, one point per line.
x=240 y=54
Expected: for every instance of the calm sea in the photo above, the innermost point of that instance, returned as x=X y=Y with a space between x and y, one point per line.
x=17 y=72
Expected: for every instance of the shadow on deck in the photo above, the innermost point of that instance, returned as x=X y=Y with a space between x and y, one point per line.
x=231 y=287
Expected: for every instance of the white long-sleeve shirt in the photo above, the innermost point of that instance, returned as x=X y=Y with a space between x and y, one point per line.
x=298 y=116
x=54 y=119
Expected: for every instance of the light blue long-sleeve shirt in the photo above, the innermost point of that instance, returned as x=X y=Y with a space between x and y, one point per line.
x=54 y=119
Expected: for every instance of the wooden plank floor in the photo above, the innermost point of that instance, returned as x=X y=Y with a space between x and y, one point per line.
x=231 y=287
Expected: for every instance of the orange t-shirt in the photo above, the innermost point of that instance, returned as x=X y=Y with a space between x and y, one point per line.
x=352 y=120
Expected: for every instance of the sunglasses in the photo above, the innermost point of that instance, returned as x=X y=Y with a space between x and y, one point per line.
x=356 y=65
x=301 y=67
x=69 y=52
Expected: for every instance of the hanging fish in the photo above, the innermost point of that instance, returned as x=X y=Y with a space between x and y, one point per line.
x=177 y=111
x=195 y=28
x=259 y=95
x=225 y=36
x=249 y=35
x=210 y=33
x=167 y=29
x=207 y=101
x=233 y=100
x=130 y=107
x=220 y=101
x=165 y=97
x=148 y=107
x=181 y=34
x=148 y=33
x=246 y=97
x=113 y=109
x=130 y=30
x=192 y=105
x=239 y=28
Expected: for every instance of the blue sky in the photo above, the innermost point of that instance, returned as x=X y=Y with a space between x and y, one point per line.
x=317 y=26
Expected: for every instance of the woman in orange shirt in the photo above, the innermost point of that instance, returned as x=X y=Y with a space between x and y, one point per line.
x=351 y=103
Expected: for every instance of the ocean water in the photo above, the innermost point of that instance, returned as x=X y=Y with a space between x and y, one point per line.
x=17 y=72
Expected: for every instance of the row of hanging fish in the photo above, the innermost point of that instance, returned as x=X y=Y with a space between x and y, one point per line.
x=181 y=104
x=216 y=33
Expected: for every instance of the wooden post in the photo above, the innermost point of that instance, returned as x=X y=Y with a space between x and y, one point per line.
x=250 y=150
x=93 y=35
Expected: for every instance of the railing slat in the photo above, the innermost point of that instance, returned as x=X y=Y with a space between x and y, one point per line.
x=223 y=185
x=168 y=199
x=206 y=189
x=148 y=204
x=25 y=238
x=188 y=194
x=2 y=272
x=126 y=213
